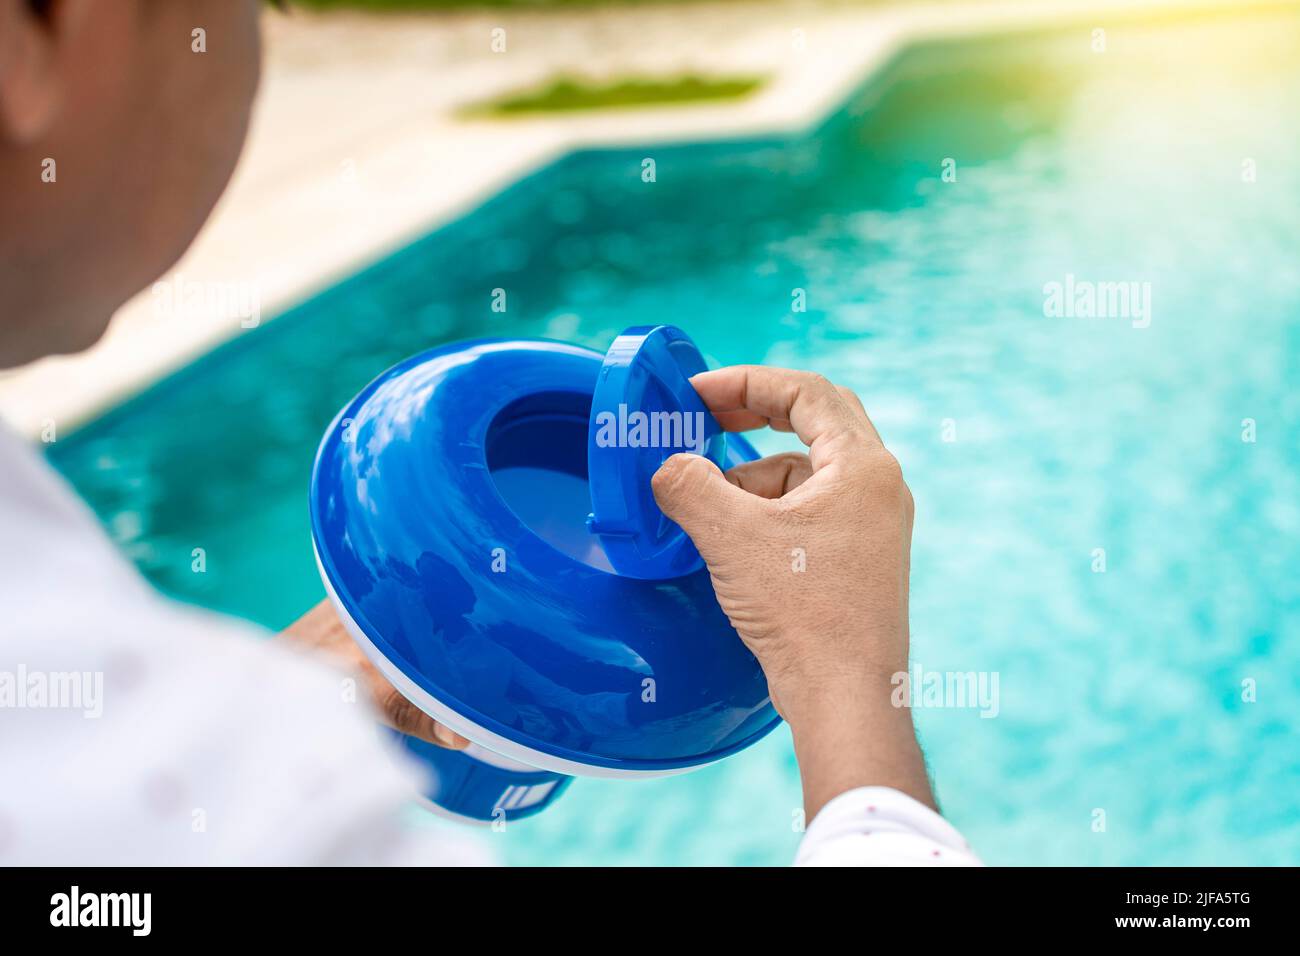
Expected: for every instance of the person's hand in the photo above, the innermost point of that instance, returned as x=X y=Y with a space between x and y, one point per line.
x=320 y=628
x=809 y=556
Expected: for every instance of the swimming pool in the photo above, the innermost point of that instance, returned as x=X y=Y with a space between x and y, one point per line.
x=1119 y=691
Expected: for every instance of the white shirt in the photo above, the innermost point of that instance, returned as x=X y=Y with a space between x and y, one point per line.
x=181 y=738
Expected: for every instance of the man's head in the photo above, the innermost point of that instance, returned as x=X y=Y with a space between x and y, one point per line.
x=120 y=125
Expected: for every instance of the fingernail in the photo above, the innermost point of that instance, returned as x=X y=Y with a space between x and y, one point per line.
x=449 y=738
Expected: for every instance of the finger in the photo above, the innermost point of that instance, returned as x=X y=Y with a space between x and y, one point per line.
x=772 y=477
x=403 y=716
x=747 y=421
x=855 y=405
x=693 y=492
x=813 y=407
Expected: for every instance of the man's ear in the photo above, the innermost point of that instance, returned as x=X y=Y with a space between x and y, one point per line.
x=33 y=38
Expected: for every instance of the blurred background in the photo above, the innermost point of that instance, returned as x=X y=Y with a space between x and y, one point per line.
x=885 y=193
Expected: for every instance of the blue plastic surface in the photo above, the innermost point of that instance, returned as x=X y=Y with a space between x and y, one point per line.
x=449 y=517
x=644 y=411
x=474 y=790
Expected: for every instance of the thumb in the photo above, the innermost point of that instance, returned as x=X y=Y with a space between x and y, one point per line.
x=693 y=492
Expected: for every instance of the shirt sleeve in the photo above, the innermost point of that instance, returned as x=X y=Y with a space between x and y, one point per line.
x=138 y=731
x=879 y=826
x=201 y=743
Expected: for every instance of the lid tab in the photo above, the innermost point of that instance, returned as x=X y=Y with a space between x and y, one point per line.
x=643 y=412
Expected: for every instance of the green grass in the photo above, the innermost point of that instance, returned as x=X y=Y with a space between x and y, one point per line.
x=566 y=94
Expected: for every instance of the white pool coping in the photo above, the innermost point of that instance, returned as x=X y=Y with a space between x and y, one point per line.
x=327 y=186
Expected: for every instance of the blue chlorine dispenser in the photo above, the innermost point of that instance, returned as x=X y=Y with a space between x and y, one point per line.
x=485 y=526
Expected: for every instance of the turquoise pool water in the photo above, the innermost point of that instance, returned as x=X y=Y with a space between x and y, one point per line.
x=1119 y=691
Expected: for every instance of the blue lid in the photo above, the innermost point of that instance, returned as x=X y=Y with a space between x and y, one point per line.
x=449 y=503
x=644 y=411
